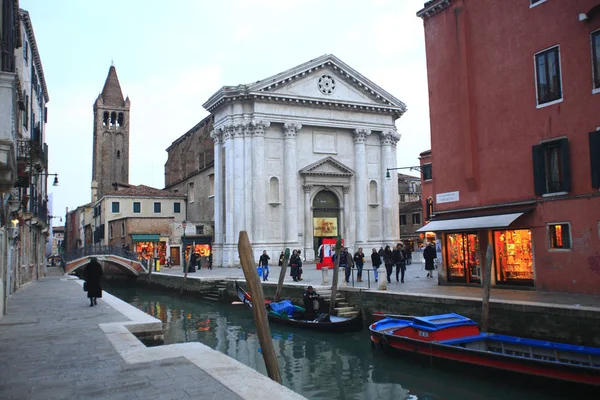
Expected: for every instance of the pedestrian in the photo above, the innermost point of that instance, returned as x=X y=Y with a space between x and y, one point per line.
x=294 y=265
x=281 y=257
x=300 y=266
x=347 y=262
x=92 y=275
x=429 y=254
x=210 y=260
x=264 y=262
x=400 y=260
x=388 y=260
x=408 y=255
x=381 y=255
x=320 y=252
x=376 y=261
x=192 y=266
x=359 y=261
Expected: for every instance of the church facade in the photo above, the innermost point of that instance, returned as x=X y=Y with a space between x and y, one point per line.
x=303 y=155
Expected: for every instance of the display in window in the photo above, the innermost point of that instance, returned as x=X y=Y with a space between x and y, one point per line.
x=145 y=251
x=514 y=259
x=463 y=257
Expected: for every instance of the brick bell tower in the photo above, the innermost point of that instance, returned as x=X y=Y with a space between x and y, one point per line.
x=111 y=137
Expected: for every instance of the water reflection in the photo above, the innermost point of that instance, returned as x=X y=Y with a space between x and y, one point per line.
x=320 y=365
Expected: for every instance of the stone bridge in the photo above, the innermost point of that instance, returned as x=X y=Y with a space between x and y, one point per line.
x=105 y=254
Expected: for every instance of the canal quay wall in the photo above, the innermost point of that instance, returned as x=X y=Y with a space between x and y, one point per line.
x=537 y=320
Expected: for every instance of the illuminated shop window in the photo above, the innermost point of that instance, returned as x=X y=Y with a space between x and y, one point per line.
x=559 y=236
x=513 y=257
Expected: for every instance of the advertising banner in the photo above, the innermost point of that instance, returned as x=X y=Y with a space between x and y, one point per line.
x=325 y=227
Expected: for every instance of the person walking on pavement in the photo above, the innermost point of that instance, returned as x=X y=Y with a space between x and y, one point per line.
x=349 y=263
x=400 y=259
x=92 y=275
x=359 y=261
x=264 y=262
x=294 y=265
x=281 y=257
x=388 y=260
x=429 y=254
x=376 y=261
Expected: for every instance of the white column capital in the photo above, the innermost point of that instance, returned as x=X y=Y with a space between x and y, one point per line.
x=290 y=129
x=390 y=137
x=346 y=189
x=307 y=188
x=360 y=135
x=259 y=127
x=217 y=136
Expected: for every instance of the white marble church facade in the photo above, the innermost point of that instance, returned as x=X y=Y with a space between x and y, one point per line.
x=315 y=140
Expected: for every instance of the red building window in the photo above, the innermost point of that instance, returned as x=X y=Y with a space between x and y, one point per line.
x=548 y=83
x=596 y=58
x=559 y=236
x=551 y=167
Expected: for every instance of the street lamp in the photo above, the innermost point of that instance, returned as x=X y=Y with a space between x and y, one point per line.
x=55 y=183
x=414 y=168
x=183 y=225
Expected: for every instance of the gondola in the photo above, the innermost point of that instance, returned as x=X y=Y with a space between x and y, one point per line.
x=320 y=321
x=452 y=337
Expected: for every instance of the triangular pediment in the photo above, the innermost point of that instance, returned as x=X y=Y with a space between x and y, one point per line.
x=329 y=79
x=327 y=166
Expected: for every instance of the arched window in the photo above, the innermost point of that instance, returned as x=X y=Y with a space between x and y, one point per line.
x=274 y=190
x=373 y=192
x=113 y=118
x=120 y=120
x=105 y=119
x=118 y=154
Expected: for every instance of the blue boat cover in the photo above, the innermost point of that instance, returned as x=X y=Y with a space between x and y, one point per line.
x=284 y=306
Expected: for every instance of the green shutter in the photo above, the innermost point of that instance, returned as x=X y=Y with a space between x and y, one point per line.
x=595 y=158
x=539 y=170
x=566 y=164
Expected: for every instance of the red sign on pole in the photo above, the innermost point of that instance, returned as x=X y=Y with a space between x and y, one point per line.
x=326 y=252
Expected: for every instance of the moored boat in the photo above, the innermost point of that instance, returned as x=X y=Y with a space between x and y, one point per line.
x=296 y=316
x=457 y=338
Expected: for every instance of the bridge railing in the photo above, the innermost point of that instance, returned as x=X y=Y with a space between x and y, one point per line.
x=96 y=250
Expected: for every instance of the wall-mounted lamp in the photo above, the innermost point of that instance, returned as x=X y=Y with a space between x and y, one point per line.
x=414 y=168
x=583 y=17
x=55 y=183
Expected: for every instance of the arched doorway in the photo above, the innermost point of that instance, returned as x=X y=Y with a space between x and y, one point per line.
x=326 y=212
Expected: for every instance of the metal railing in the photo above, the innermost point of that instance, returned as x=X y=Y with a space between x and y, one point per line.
x=95 y=250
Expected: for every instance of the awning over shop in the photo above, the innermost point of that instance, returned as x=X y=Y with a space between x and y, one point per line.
x=145 y=238
x=463 y=224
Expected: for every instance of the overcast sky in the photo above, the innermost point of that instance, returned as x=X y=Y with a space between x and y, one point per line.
x=171 y=56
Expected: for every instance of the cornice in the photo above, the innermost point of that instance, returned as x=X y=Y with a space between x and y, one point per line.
x=433 y=7
x=34 y=51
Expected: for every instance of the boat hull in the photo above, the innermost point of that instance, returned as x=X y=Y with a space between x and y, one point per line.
x=350 y=325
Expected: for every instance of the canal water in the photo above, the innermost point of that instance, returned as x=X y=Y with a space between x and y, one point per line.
x=328 y=366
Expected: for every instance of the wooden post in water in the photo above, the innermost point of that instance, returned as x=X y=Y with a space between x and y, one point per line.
x=258 y=308
x=186 y=265
x=286 y=259
x=334 y=281
x=487 y=280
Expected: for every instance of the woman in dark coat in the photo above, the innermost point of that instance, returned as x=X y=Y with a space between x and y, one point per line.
x=429 y=254
x=388 y=260
x=295 y=263
x=93 y=273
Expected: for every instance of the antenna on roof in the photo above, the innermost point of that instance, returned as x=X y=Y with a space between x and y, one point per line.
x=112 y=62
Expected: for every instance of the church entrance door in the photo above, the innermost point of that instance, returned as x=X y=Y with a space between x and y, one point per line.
x=326 y=213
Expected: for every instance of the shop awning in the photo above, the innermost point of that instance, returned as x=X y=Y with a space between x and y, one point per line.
x=463 y=224
x=145 y=238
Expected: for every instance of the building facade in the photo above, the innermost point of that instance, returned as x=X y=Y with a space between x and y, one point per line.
x=110 y=166
x=515 y=141
x=303 y=155
x=410 y=210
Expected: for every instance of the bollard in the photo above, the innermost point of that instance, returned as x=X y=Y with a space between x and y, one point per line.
x=325 y=276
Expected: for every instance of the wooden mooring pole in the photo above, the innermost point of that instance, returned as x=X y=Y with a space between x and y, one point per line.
x=286 y=260
x=334 y=281
x=487 y=278
x=258 y=308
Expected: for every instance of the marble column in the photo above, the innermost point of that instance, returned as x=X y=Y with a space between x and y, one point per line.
x=260 y=190
x=347 y=229
x=239 y=186
x=361 y=187
x=218 y=200
x=228 y=182
x=389 y=198
x=290 y=170
x=248 y=180
x=395 y=196
x=308 y=225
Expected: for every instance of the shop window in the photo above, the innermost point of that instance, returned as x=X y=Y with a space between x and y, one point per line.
x=559 y=235
x=177 y=208
x=145 y=251
x=513 y=257
x=551 y=167
x=595 y=158
x=157 y=207
x=373 y=192
x=427 y=172
x=416 y=219
x=274 y=190
x=596 y=60
x=137 y=207
x=191 y=192
x=402 y=219
x=463 y=257
x=547 y=73
x=115 y=207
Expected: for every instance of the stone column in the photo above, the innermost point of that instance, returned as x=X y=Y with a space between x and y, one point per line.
x=308 y=226
x=248 y=180
x=218 y=199
x=239 y=186
x=290 y=202
x=228 y=182
x=347 y=233
x=389 y=198
x=395 y=196
x=259 y=182
x=361 y=187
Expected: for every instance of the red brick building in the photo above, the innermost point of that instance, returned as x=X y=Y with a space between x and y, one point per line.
x=515 y=131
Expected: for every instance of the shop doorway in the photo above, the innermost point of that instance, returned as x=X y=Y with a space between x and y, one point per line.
x=463 y=257
x=326 y=213
x=175 y=251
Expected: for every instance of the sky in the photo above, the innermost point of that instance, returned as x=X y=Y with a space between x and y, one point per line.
x=172 y=56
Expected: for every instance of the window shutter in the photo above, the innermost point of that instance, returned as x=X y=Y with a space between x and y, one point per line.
x=595 y=158
x=566 y=164
x=539 y=170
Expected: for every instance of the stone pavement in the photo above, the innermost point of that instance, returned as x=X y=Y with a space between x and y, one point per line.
x=54 y=346
x=416 y=282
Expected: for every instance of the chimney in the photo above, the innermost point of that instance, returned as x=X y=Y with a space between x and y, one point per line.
x=94 y=191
